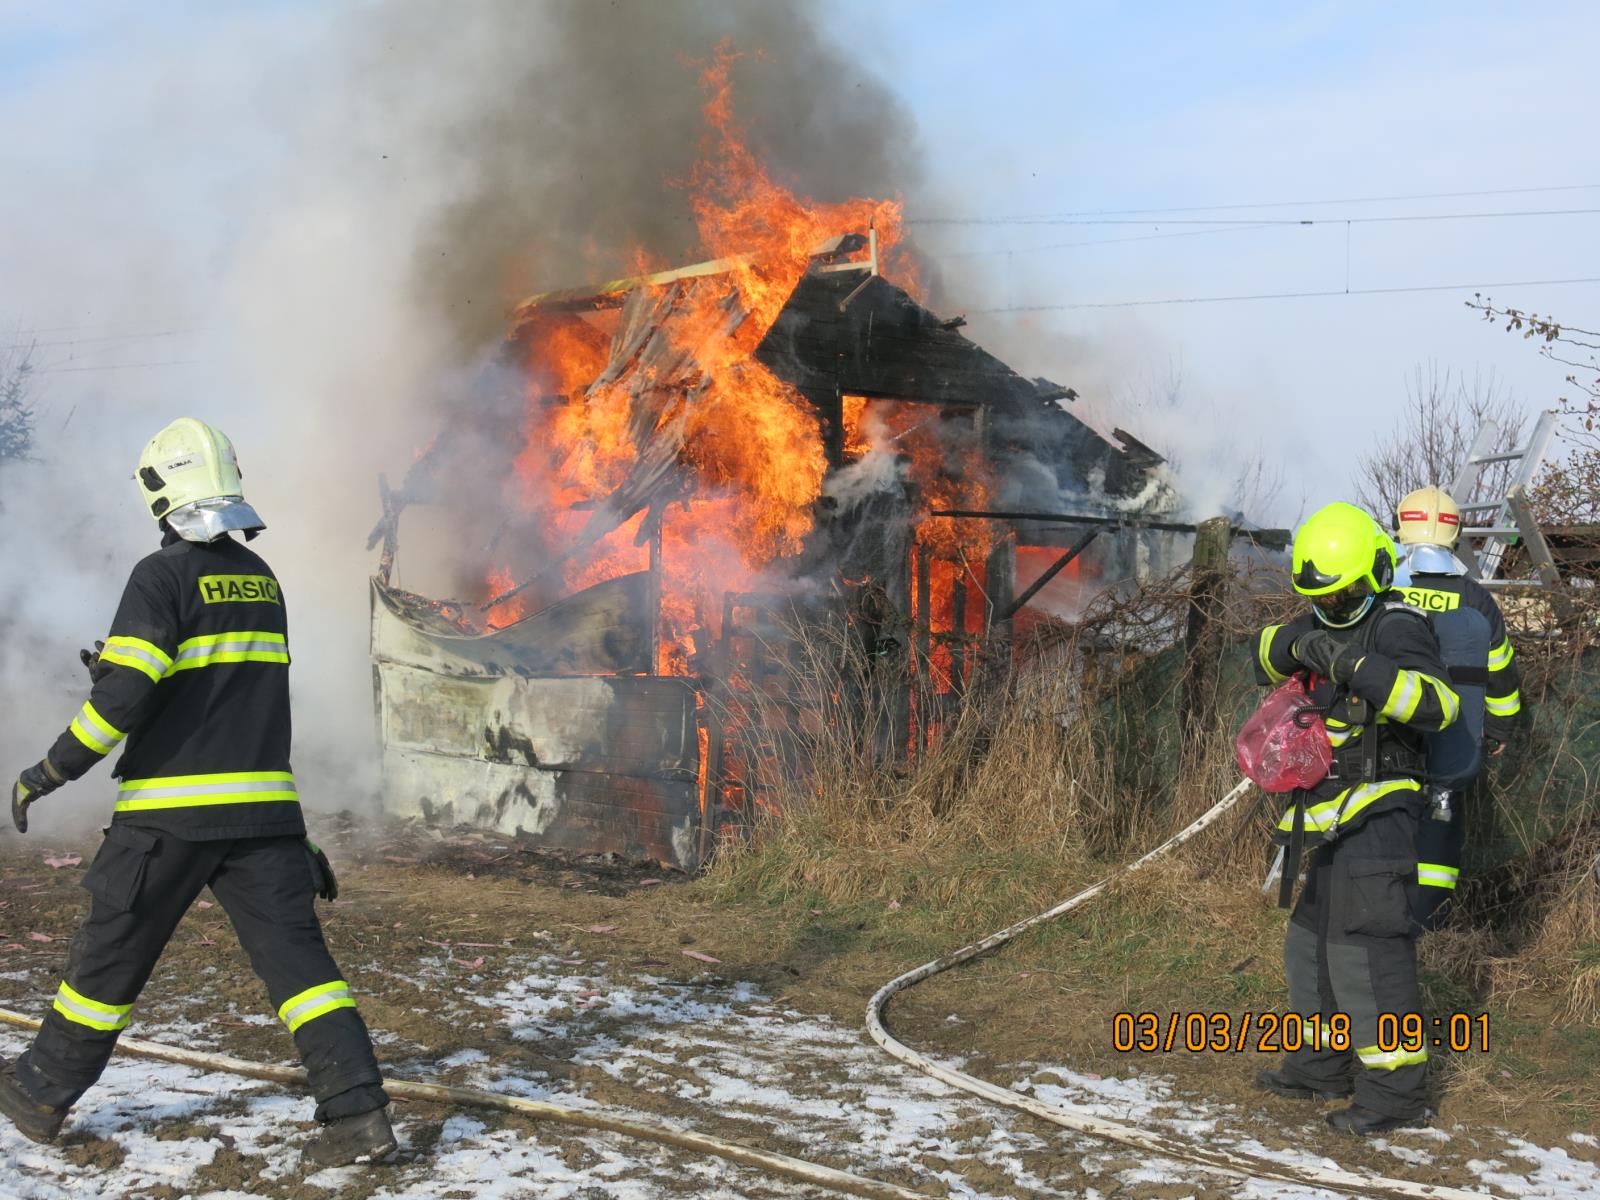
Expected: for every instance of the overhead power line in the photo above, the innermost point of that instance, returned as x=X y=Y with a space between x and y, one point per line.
x=175 y=323
x=1115 y=241
x=115 y=337
x=1195 y=208
x=1477 y=216
x=1383 y=291
x=174 y=362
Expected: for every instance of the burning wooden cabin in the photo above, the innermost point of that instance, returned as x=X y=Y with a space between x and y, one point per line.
x=666 y=458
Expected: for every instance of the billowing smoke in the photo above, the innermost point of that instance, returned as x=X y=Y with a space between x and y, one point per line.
x=307 y=227
x=574 y=125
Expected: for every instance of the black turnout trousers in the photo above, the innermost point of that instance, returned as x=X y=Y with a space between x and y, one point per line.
x=1351 y=949
x=141 y=883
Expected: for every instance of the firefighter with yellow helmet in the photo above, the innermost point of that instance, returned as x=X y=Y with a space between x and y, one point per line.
x=192 y=685
x=1350 y=950
x=1432 y=578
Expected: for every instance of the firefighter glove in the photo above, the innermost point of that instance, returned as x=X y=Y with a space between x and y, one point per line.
x=327 y=884
x=91 y=662
x=38 y=780
x=1324 y=654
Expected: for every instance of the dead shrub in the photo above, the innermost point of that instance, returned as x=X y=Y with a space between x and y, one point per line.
x=1061 y=753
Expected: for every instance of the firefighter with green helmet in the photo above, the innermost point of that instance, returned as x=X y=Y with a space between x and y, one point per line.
x=1350 y=952
x=192 y=686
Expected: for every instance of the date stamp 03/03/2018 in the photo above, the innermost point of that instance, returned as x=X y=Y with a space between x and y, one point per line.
x=1273 y=1033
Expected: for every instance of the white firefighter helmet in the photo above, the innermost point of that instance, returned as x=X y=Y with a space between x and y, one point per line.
x=189 y=477
x=1428 y=517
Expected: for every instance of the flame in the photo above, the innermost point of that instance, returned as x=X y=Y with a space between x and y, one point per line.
x=857 y=438
x=742 y=213
x=500 y=581
x=751 y=445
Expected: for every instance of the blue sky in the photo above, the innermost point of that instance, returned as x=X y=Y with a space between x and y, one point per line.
x=1022 y=109
x=1034 y=108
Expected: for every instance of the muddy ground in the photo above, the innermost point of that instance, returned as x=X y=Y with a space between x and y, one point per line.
x=588 y=980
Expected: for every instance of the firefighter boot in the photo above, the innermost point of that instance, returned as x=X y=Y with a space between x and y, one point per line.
x=1365 y=1121
x=348 y=1140
x=36 y=1121
x=1278 y=1082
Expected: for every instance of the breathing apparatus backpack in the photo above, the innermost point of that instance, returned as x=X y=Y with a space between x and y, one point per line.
x=1455 y=753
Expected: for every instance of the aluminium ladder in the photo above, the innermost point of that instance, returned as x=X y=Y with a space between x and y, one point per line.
x=1489 y=528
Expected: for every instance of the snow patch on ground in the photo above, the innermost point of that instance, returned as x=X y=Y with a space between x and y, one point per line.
x=721 y=1048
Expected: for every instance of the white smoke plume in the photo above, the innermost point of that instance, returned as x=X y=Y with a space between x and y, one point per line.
x=305 y=226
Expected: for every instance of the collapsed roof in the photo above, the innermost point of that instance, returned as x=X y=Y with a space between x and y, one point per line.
x=559 y=724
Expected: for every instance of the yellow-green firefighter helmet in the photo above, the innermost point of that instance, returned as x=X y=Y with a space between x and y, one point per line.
x=189 y=477
x=1342 y=560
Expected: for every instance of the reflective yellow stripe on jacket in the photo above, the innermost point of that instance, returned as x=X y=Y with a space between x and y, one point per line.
x=94 y=731
x=1406 y=695
x=1264 y=653
x=1340 y=732
x=195 y=791
x=1500 y=657
x=243 y=646
x=144 y=657
x=1321 y=817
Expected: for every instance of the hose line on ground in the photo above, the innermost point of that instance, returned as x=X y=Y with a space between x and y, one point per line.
x=1244 y=1166
x=438 y=1093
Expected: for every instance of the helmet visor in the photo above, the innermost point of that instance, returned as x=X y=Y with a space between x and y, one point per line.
x=1345 y=606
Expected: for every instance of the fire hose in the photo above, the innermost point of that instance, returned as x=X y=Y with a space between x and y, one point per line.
x=1240 y=1166
x=437 y=1093
x=1243 y=1166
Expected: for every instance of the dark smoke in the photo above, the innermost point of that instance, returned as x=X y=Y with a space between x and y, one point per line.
x=565 y=125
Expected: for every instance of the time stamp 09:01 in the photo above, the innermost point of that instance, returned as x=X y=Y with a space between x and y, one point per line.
x=1273 y=1033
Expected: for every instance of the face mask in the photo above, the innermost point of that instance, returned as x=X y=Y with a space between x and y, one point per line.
x=1344 y=608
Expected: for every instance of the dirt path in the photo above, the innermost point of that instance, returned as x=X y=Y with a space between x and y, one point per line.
x=480 y=964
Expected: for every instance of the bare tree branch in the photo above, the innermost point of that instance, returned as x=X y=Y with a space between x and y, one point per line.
x=1432 y=436
x=1567 y=491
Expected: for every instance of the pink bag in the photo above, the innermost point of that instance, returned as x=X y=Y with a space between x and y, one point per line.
x=1278 y=752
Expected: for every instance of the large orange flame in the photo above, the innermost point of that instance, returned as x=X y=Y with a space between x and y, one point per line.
x=751 y=446
x=710 y=467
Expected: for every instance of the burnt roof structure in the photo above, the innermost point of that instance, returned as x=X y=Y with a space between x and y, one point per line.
x=558 y=725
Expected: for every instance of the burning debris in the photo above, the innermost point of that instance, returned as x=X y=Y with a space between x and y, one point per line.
x=670 y=457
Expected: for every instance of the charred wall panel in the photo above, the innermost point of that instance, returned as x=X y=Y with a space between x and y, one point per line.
x=625 y=726
x=572 y=810
x=585 y=762
x=601 y=630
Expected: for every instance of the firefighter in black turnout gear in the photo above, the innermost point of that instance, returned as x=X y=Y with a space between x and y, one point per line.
x=1350 y=951
x=1428 y=524
x=193 y=684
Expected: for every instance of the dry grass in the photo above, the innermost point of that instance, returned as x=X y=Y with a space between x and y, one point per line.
x=1066 y=756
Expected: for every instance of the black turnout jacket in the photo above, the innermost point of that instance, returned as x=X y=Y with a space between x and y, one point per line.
x=193 y=685
x=1400 y=691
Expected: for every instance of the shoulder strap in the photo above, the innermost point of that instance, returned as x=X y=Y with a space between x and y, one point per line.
x=1369 y=635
